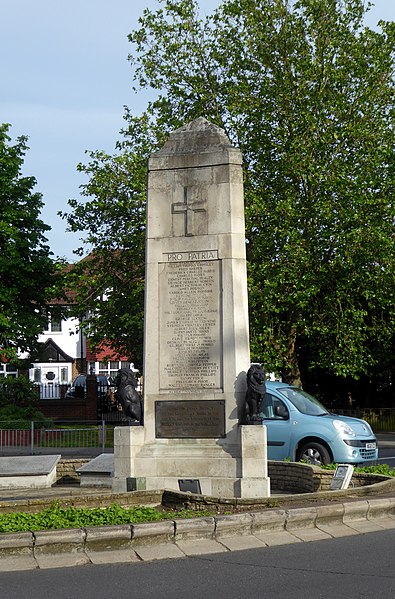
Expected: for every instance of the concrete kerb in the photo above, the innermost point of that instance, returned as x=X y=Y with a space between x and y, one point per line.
x=330 y=520
x=16 y=552
x=197 y=536
x=381 y=507
x=304 y=517
x=110 y=544
x=356 y=517
x=195 y=529
x=301 y=523
x=60 y=548
x=381 y=512
x=233 y=525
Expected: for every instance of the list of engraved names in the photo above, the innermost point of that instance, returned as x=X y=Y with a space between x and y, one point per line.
x=189 y=325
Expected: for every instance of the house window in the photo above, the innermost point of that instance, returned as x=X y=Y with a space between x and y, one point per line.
x=37 y=375
x=54 y=325
x=8 y=370
x=109 y=368
x=64 y=375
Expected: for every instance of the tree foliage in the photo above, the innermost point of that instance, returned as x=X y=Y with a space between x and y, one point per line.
x=307 y=93
x=108 y=284
x=26 y=268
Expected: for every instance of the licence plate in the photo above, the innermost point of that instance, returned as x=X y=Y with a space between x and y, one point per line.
x=370 y=445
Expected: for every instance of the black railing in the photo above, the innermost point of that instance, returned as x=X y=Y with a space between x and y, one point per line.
x=382 y=420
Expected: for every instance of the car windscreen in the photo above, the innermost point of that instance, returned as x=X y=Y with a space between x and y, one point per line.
x=305 y=403
x=80 y=381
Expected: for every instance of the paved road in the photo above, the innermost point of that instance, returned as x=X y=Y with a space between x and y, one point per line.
x=386 y=442
x=360 y=566
x=387 y=456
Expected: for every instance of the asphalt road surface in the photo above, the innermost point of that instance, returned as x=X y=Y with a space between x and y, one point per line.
x=357 y=567
x=387 y=456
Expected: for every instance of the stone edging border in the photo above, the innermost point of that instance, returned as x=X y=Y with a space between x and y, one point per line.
x=177 y=499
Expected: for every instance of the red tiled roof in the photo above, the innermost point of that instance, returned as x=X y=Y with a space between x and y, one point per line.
x=104 y=352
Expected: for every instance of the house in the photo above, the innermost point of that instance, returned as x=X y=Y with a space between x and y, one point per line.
x=64 y=353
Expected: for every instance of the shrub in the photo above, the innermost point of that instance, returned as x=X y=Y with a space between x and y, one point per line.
x=18 y=391
x=15 y=417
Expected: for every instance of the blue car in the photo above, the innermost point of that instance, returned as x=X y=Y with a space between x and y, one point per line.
x=299 y=428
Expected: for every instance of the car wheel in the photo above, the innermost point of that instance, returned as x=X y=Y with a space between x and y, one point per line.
x=314 y=453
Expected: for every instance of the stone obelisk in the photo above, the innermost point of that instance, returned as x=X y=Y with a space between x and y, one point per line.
x=196 y=345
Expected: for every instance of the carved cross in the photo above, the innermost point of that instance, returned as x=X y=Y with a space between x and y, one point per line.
x=189 y=208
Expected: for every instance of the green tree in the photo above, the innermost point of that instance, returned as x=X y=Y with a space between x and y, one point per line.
x=307 y=93
x=26 y=268
x=108 y=284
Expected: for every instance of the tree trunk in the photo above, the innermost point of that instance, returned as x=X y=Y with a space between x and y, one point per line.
x=291 y=372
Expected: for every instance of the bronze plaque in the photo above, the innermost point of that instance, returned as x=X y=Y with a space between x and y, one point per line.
x=193 y=419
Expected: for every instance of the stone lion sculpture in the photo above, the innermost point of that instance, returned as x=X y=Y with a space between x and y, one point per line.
x=127 y=395
x=256 y=391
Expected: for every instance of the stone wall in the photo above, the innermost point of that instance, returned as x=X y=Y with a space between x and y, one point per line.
x=66 y=471
x=359 y=479
x=292 y=477
x=301 y=478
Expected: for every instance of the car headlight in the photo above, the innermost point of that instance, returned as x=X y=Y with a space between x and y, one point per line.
x=343 y=427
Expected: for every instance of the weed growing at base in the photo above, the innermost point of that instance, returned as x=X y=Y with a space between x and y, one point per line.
x=56 y=517
x=379 y=469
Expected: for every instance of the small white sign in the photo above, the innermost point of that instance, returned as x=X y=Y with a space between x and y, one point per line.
x=342 y=477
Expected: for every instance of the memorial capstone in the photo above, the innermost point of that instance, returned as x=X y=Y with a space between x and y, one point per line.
x=196 y=345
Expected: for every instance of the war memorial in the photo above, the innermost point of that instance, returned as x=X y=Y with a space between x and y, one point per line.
x=196 y=343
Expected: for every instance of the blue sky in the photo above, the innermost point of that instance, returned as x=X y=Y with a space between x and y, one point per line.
x=65 y=79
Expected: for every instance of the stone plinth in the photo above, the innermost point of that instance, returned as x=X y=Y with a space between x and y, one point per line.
x=98 y=472
x=254 y=481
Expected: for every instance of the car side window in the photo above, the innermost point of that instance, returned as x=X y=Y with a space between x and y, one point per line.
x=272 y=408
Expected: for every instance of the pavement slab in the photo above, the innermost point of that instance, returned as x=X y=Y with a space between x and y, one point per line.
x=364 y=526
x=241 y=542
x=337 y=530
x=46 y=561
x=310 y=534
x=149 y=553
x=201 y=547
x=15 y=563
x=114 y=556
x=277 y=537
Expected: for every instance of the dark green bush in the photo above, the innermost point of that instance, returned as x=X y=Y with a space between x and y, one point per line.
x=18 y=404
x=18 y=391
x=16 y=417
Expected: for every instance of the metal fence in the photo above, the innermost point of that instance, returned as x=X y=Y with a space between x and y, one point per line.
x=24 y=438
x=51 y=390
x=382 y=420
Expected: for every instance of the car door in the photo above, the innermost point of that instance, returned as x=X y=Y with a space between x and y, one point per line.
x=278 y=426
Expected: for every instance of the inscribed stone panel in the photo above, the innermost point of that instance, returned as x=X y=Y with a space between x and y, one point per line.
x=190 y=347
